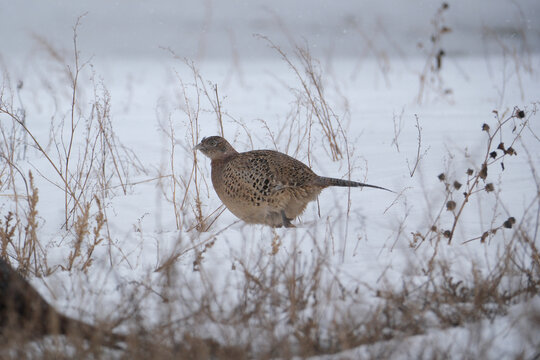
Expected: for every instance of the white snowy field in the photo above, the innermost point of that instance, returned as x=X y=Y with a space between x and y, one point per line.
x=354 y=278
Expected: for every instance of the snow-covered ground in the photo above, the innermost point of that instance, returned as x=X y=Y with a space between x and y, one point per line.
x=352 y=243
x=363 y=234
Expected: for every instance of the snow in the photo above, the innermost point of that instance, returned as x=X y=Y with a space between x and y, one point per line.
x=506 y=337
x=362 y=234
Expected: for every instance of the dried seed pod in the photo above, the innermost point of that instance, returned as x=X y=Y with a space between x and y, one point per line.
x=485 y=127
x=450 y=205
x=509 y=222
x=493 y=154
x=501 y=146
x=483 y=172
x=484 y=237
x=457 y=185
x=442 y=177
x=489 y=187
x=510 y=151
x=470 y=172
x=433 y=228
x=520 y=114
x=439 y=59
x=447 y=234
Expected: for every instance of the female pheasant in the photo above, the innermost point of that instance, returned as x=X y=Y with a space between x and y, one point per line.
x=264 y=186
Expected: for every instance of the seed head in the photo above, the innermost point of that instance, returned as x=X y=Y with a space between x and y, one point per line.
x=509 y=222
x=484 y=237
x=483 y=172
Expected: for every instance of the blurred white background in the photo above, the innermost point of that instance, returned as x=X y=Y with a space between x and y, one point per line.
x=210 y=29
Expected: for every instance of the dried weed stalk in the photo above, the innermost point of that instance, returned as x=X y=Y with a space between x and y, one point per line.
x=83 y=157
x=193 y=98
x=430 y=77
x=477 y=181
x=87 y=157
x=311 y=95
x=419 y=153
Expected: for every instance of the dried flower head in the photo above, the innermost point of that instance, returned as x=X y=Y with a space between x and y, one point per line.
x=483 y=172
x=484 y=237
x=509 y=222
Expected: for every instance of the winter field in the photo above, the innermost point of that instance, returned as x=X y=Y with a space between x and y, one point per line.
x=111 y=215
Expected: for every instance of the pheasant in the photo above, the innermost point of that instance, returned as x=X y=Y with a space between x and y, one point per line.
x=264 y=186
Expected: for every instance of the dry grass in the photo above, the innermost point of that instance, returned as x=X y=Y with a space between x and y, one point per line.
x=311 y=95
x=83 y=159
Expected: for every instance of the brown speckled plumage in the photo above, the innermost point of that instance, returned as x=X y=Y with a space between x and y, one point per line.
x=264 y=186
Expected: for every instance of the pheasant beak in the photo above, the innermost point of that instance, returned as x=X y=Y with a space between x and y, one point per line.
x=199 y=146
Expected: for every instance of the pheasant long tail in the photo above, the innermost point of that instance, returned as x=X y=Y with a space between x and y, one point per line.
x=326 y=181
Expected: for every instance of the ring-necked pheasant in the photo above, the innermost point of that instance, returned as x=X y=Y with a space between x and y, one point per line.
x=264 y=186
